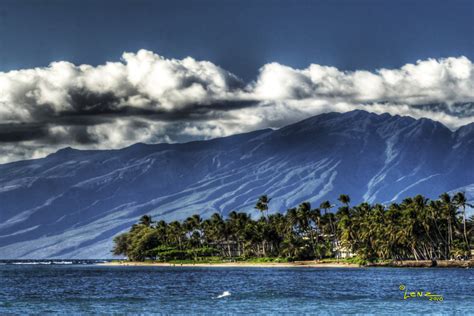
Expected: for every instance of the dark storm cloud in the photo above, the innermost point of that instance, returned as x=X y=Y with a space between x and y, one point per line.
x=460 y=110
x=41 y=133
x=105 y=113
x=13 y=133
x=83 y=101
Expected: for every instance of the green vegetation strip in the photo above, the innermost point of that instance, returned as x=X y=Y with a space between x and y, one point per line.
x=415 y=229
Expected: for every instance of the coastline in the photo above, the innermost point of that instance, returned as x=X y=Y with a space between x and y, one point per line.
x=425 y=264
x=300 y=264
x=296 y=264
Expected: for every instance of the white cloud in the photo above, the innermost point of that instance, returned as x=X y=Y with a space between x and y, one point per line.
x=449 y=80
x=143 y=80
x=145 y=97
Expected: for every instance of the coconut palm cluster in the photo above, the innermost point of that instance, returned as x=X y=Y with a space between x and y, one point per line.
x=417 y=228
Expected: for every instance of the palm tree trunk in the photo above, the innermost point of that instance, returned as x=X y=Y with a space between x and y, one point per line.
x=450 y=237
x=464 y=226
x=415 y=253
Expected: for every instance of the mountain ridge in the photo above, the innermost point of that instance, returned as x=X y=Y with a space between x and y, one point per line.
x=469 y=126
x=71 y=203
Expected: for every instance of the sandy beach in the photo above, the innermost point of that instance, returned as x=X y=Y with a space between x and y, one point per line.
x=296 y=264
x=301 y=264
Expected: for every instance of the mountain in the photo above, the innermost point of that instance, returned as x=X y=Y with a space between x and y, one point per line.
x=71 y=203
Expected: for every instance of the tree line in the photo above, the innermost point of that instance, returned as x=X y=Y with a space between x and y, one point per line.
x=417 y=228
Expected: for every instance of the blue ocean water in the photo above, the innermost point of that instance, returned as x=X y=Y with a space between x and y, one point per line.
x=92 y=289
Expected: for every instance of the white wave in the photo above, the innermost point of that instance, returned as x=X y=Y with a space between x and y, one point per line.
x=224 y=294
x=34 y=263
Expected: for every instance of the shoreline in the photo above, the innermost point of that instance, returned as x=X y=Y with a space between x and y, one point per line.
x=425 y=264
x=301 y=264
x=296 y=264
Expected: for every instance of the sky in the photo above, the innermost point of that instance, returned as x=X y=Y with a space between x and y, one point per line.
x=107 y=74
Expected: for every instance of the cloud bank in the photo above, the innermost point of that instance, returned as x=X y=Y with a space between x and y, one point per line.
x=145 y=97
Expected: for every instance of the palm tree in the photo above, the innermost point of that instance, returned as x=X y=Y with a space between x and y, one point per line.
x=146 y=220
x=344 y=199
x=449 y=213
x=193 y=226
x=315 y=216
x=262 y=204
x=461 y=202
x=215 y=231
x=326 y=205
x=470 y=227
x=236 y=224
x=161 y=228
x=345 y=226
x=176 y=231
x=121 y=244
x=302 y=215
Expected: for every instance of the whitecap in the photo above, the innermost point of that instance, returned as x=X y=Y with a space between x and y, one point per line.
x=31 y=262
x=224 y=294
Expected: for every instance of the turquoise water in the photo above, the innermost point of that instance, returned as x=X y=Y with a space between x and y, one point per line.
x=90 y=289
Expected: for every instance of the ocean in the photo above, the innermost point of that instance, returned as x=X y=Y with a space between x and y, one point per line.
x=85 y=288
